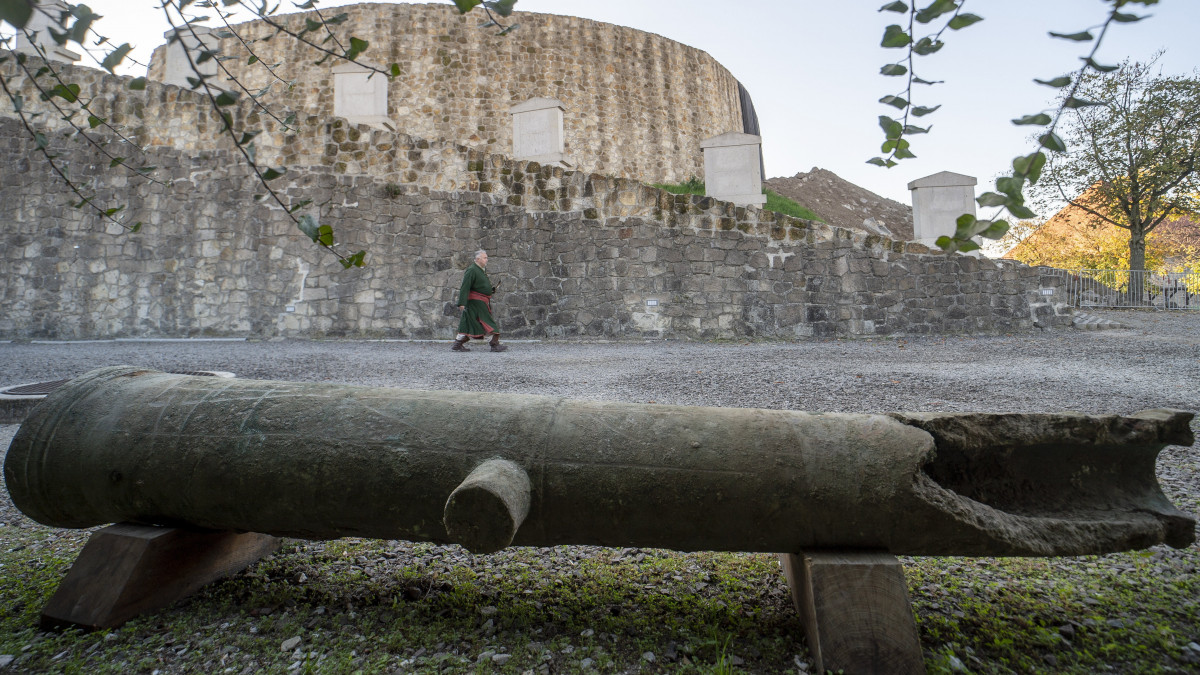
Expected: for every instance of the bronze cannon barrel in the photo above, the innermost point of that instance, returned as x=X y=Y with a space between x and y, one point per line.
x=321 y=461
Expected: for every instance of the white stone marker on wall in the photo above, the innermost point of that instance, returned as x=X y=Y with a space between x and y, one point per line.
x=538 y=131
x=732 y=171
x=937 y=202
x=177 y=69
x=39 y=27
x=361 y=95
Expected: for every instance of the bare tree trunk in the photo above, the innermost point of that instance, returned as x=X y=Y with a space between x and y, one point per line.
x=1137 y=264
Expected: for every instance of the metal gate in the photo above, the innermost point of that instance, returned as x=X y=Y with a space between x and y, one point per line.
x=1133 y=289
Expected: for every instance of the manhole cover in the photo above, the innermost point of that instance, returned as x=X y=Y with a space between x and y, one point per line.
x=44 y=388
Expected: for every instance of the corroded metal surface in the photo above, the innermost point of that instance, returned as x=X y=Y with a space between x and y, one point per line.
x=324 y=461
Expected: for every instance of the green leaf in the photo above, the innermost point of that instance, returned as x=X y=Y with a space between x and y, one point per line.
x=1073 y=102
x=1058 y=82
x=357 y=46
x=18 y=103
x=94 y=121
x=358 y=259
x=394 y=71
x=325 y=235
x=1052 y=141
x=1021 y=211
x=991 y=199
x=116 y=161
x=114 y=211
x=252 y=60
x=299 y=205
x=896 y=6
x=308 y=225
x=891 y=127
x=913 y=129
x=137 y=83
x=1040 y=118
x=1030 y=166
x=921 y=111
x=903 y=152
x=115 y=57
x=272 y=174
x=963 y=20
x=877 y=161
x=996 y=230
x=967 y=245
x=312 y=25
x=69 y=92
x=894 y=101
x=894 y=37
x=227 y=98
x=136 y=227
x=84 y=17
x=893 y=69
x=945 y=243
x=511 y=28
x=15 y=12
x=465 y=6
x=1077 y=37
x=501 y=7
x=926 y=46
x=1011 y=186
x=289 y=120
x=1122 y=17
x=936 y=9
x=963 y=225
x=1102 y=68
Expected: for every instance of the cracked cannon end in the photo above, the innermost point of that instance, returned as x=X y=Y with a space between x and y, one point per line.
x=485 y=510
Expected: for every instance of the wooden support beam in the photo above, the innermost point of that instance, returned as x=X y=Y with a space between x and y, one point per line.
x=855 y=611
x=126 y=570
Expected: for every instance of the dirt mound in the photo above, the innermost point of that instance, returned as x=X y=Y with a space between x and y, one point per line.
x=844 y=204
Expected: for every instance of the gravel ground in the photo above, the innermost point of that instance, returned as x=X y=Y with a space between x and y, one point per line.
x=1154 y=362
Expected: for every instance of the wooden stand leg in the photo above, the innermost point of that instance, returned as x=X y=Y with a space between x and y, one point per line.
x=125 y=570
x=855 y=611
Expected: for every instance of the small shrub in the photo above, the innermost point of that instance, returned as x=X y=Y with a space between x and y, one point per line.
x=775 y=201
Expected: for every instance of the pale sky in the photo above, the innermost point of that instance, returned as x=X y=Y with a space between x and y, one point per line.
x=812 y=68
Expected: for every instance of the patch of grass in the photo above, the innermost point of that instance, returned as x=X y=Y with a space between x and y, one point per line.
x=775 y=201
x=380 y=607
x=780 y=204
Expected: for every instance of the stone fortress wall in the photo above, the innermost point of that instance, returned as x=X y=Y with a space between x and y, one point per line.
x=581 y=254
x=636 y=104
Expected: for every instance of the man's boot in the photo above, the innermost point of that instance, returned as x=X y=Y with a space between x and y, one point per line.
x=495 y=344
x=460 y=345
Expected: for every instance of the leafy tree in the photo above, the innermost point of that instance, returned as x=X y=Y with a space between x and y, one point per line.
x=1133 y=163
x=1070 y=240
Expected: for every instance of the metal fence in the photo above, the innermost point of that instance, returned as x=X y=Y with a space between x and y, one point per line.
x=1133 y=289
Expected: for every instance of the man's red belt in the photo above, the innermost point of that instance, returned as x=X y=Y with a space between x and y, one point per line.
x=487 y=299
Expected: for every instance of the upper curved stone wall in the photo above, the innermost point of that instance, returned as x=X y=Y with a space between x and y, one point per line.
x=637 y=104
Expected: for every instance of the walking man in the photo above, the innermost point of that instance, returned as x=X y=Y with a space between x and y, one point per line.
x=475 y=303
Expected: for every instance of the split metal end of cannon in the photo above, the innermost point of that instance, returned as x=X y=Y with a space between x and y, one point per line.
x=485 y=510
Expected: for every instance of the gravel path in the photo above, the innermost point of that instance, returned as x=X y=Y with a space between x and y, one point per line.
x=1154 y=363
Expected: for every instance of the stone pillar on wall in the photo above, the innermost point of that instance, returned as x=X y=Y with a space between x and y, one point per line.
x=732 y=170
x=39 y=27
x=361 y=96
x=538 y=131
x=937 y=202
x=177 y=69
